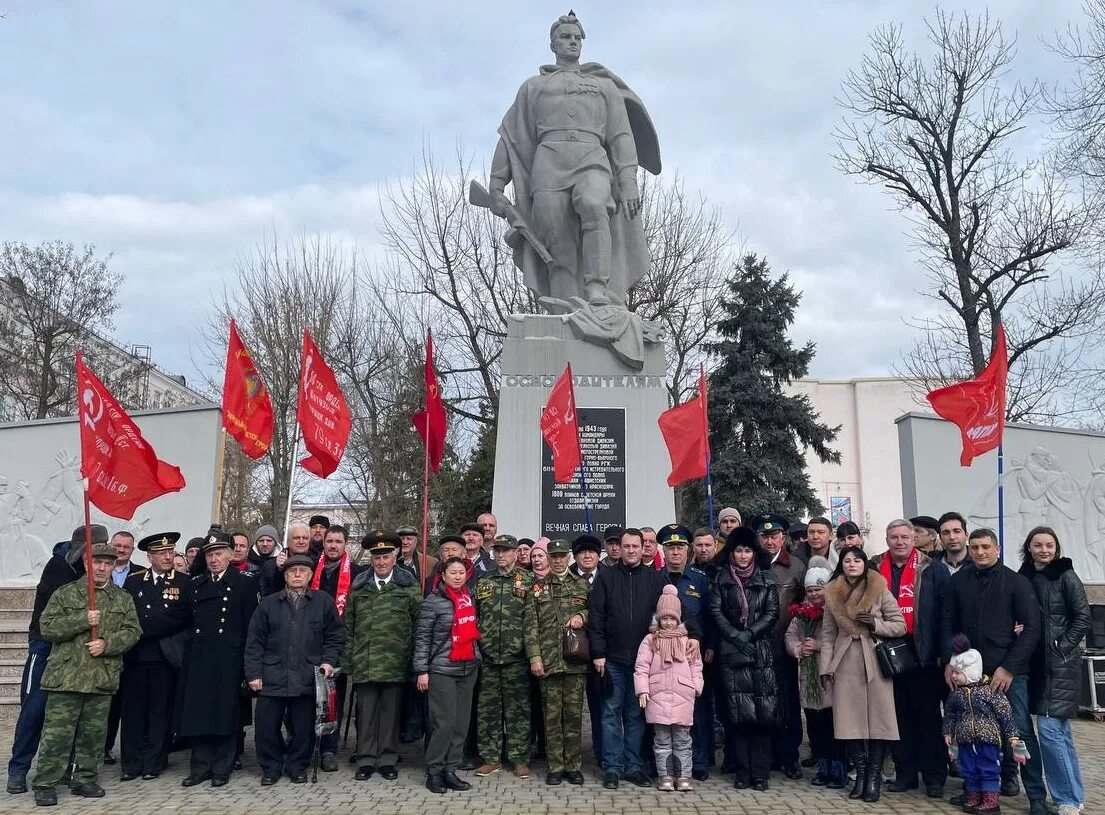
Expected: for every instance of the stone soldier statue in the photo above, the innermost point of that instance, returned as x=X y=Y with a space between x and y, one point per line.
x=571 y=144
x=504 y=612
x=211 y=703
x=81 y=676
x=559 y=602
x=163 y=598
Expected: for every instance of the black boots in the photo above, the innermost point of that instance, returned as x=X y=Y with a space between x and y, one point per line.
x=857 y=757
x=872 y=788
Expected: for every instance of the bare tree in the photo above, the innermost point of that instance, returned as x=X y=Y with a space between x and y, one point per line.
x=58 y=300
x=991 y=228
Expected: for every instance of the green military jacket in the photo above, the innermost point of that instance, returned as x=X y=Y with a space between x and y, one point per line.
x=555 y=601
x=65 y=623
x=380 y=626
x=504 y=612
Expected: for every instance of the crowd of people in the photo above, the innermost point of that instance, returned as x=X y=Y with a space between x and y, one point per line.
x=679 y=645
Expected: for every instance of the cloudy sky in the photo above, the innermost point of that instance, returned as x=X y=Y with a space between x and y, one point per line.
x=175 y=136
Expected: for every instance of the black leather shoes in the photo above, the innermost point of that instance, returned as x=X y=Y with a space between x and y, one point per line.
x=934 y=790
x=639 y=778
x=109 y=758
x=388 y=772
x=219 y=781
x=92 y=790
x=1010 y=787
x=268 y=780
x=554 y=779
x=610 y=781
x=238 y=763
x=436 y=784
x=759 y=784
x=469 y=764
x=700 y=775
x=903 y=785
x=574 y=777
x=46 y=797
x=453 y=782
x=364 y=772
x=328 y=763
x=793 y=773
x=192 y=780
x=740 y=783
x=17 y=784
x=150 y=776
x=299 y=778
x=128 y=776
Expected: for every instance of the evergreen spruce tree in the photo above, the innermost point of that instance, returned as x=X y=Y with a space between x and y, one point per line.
x=759 y=433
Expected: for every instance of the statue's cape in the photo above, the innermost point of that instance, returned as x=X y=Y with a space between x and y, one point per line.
x=629 y=254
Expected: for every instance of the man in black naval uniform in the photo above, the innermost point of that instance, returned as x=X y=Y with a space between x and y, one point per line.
x=212 y=706
x=162 y=597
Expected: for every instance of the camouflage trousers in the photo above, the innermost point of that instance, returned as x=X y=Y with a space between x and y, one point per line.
x=502 y=719
x=76 y=724
x=562 y=697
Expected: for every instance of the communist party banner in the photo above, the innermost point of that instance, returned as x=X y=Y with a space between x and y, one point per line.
x=323 y=414
x=247 y=410
x=430 y=422
x=687 y=435
x=560 y=428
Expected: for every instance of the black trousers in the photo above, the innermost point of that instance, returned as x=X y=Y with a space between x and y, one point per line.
x=212 y=756
x=596 y=695
x=147 y=690
x=751 y=749
x=414 y=714
x=274 y=754
x=819 y=728
x=787 y=738
x=721 y=704
x=920 y=746
x=114 y=715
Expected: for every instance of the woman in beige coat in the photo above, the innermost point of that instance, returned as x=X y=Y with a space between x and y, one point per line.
x=859 y=610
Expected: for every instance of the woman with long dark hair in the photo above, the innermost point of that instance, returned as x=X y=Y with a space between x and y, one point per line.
x=858 y=609
x=1055 y=674
x=744 y=606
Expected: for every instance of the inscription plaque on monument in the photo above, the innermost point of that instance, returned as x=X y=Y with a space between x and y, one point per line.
x=602 y=439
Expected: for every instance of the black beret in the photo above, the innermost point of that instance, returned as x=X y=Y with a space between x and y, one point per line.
x=926 y=522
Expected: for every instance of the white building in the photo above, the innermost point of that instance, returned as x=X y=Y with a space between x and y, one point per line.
x=866 y=486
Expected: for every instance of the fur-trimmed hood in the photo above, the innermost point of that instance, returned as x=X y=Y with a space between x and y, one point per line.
x=1052 y=571
x=845 y=606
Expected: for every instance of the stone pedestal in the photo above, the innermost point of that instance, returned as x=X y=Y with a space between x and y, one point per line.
x=618 y=408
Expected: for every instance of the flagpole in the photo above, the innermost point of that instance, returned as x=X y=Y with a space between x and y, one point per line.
x=1001 y=501
x=291 y=484
x=88 y=558
x=706 y=435
x=425 y=499
x=582 y=459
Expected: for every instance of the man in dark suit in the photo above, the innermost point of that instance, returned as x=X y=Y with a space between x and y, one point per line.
x=162 y=598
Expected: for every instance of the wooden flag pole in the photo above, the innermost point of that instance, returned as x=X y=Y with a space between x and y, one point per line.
x=706 y=434
x=88 y=558
x=291 y=485
x=425 y=504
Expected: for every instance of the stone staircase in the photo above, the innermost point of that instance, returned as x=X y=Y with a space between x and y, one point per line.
x=15 y=616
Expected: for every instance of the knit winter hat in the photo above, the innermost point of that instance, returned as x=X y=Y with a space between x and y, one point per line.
x=729 y=512
x=819 y=572
x=966 y=659
x=266 y=532
x=668 y=604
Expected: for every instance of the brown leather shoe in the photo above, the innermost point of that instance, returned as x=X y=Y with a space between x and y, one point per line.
x=521 y=771
x=488 y=769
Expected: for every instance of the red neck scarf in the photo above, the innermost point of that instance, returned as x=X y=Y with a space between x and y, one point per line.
x=465 y=632
x=344 y=571
x=905 y=590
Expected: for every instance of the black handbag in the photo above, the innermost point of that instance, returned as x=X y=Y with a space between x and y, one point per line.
x=896 y=656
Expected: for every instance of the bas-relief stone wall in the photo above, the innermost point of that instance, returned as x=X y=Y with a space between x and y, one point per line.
x=1053 y=478
x=41 y=495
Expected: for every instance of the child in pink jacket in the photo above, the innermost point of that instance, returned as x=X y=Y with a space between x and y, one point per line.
x=667 y=678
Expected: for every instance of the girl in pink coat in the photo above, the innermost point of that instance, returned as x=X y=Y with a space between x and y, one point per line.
x=667 y=678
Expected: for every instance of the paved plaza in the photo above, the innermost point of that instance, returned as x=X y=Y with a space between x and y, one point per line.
x=502 y=794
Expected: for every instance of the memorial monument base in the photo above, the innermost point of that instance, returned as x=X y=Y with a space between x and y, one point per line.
x=626 y=462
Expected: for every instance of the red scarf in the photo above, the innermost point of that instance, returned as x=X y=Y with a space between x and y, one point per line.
x=344 y=572
x=905 y=590
x=465 y=632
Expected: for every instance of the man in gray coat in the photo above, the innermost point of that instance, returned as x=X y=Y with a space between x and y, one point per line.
x=292 y=634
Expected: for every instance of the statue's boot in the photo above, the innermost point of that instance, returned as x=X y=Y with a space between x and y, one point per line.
x=596 y=266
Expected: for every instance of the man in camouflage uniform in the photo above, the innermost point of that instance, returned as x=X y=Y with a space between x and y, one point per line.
x=504 y=611
x=81 y=676
x=559 y=602
x=380 y=617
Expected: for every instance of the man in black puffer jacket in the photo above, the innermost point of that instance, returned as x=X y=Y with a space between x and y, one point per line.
x=621 y=605
x=986 y=603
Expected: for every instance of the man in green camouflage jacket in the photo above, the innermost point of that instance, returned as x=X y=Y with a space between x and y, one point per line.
x=81 y=676
x=505 y=615
x=559 y=602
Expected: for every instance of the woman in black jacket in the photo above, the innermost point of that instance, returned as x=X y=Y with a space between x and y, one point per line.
x=1055 y=676
x=744 y=606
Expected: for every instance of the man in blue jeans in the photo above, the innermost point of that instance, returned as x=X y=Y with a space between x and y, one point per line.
x=622 y=601
x=63 y=567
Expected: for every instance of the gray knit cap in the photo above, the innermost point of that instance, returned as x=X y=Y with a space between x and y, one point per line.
x=266 y=532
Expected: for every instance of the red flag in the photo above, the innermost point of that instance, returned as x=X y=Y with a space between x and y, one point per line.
x=560 y=428
x=322 y=413
x=247 y=411
x=686 y=433
x=978 y=405
x=123 y=471
x=430 y=423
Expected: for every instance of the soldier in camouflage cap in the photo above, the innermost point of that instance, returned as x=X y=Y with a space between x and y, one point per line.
x=505 y=616
x=81 y=676
x=559 y=602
